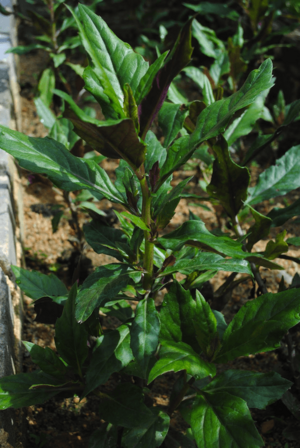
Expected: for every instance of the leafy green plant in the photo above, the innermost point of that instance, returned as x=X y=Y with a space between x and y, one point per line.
x=183 y=334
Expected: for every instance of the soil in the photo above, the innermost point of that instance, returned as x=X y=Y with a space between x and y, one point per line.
x=69 y=422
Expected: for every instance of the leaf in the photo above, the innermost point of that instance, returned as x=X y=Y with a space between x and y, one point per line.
x=208 y=42
x=104 y=437
x=45 y=114
x=165 y=208
x=146 y=81
x=150 y=437
x=260 y=324
x=46 y=359
x=170 y=316
x=280 y=215
x=111 y=356
x=114 y=139
x=295 y=241
x=100 y=287
x=178 y=58
x=46 y=156
x=23 y=49
x=221 y=419
x=259 y=144
x=70 y=336
x=221 y=323
x=144 y=335
x=194 y=233
x=292 y=112
x=16 y=391
x=279 y=179
x=217 y=116
x=155 y=152
x=244 y=124
x=125 y=407
x=205 y=325
x=220 y=66
x=259 y=230
x=136 y=221
x=219 y=9
x=99 y=236
x=46 y=85
x=119 y=309
x=203 y=83
x=229 y=182
x=62 y=131
x=176 y=356
x=130 y=107
x=58 y=59
x=114 y=62
x=175 y=157
x=207 y=261
x=170 y=119
x=36 y=285
x=274 y=249
x=257 y=389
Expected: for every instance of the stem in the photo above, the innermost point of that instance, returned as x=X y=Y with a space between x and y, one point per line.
x=149 y=246
x=255 y=271
x=174 y=405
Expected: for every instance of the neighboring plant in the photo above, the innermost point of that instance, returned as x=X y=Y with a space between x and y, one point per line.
x=183 y=333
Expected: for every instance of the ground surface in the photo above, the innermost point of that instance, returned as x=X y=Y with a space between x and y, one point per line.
x=69 y=423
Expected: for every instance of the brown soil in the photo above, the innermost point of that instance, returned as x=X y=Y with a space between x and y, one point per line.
x=69 y=422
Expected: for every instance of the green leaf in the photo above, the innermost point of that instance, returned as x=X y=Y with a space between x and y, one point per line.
x=37 y=285
x=45 y=114
x=46 y=86
x=46 y=359
x=216 y=117
x=155 y=152
x=219 y=9
x=170 y=119
x=259 y=230
x=176 y=356
x=277 y=247
x=257 y=389
x=202 y=82
x=260 y=324
x=78 y=69
x=104 y=239
x=46 y=156
x=295 y=241
x=70 y=336
x=23 y=49
x=111 y=356
x=100 y=287
x=130 y=107
x=170 y=316
x=146 y=81
x=125 y=407
x=205 y=325
x=229 y=182
x=144 y=334
x=150 y=437
x=62 y=131
x=136 y=220
x=16 y=390
x=208 y=42
x=178 y=58
x=114 y=61
x=105 y=437
x=112 y=138
x=244 y=124
x=119 y=309
x=207 y=261
x=223 y=420
x=280 y=215
x=220 y=67
x=175 y=158
x=279 y=179
x=221 y=323
x=259 y=144
x=292 y=112
x=58 y=59
x=165 y=208
x=194 y=233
